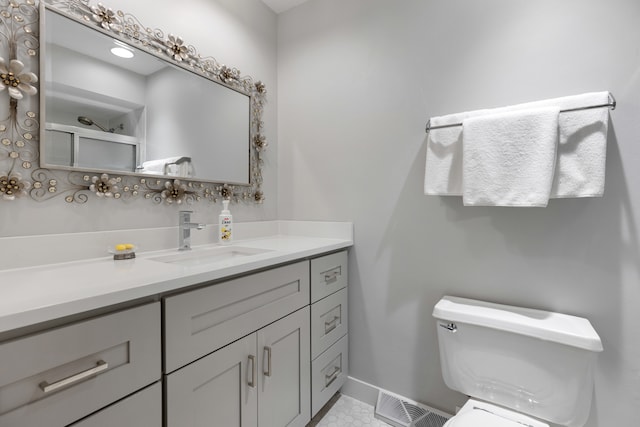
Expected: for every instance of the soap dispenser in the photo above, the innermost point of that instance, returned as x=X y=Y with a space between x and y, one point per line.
x=225 y=225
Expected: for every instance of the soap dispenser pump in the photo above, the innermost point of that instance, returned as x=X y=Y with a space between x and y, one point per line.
x=225 y=222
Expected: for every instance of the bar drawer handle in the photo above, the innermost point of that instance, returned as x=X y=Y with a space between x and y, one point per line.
x=253 y=381
x=331 y=325
x=332 y=276
x=267 y=350
x=101 y=366
x=330 y=378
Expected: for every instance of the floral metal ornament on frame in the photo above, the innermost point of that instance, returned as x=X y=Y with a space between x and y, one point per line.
x=19 y=145
x=19 y=129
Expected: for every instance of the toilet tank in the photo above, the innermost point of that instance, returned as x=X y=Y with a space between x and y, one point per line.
x=536 y=362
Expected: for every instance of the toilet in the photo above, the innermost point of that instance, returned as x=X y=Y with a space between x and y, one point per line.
x=519 y=366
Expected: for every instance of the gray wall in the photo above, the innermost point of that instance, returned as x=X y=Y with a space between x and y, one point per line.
x=239 y=33
x=358 y=80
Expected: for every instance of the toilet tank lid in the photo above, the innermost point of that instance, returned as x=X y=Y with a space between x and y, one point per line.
x=561 y=328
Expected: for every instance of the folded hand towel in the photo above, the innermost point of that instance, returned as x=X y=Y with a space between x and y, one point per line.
x=443 y=170
x=509 y=157
x=159 y=165
x=582 y=145
x=582 y=148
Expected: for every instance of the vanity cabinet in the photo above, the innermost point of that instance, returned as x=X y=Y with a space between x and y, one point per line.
x=254 y=334
x=329 y=326
x=56 y=377
x=266 y=349
x=260 y=380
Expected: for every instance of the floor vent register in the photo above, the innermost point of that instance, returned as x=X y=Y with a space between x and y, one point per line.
x=400 y=412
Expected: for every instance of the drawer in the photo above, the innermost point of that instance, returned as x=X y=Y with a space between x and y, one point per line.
x=328 y=274
x=59 y=376
x=328 y=373
x=143 y=409
x=329 y=321
x=204 y=320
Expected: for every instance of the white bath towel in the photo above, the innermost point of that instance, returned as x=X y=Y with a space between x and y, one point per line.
x=582 y=149
x=509 y=158
x=159 y=165
x=580 y=159
x=443 y=169
x=582 y=146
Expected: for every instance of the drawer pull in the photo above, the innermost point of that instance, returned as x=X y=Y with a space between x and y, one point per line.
x=101 y=365
x=253 y=381
x=331 y=325
x=332 y=275
x=267 y=350
x=330 y=378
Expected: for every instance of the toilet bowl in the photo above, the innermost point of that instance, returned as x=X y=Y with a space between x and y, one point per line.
x=475 y=413
x=519 y=366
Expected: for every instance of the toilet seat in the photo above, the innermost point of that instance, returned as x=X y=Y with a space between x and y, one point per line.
x=480 y=418
x=475 y=413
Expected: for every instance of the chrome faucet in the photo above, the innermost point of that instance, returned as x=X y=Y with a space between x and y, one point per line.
x=184 y=232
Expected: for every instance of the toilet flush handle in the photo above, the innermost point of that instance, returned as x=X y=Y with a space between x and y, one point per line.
x=451 y=327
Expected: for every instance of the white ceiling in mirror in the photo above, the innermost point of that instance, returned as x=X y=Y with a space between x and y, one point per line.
x=74 y=37
x=279 y=6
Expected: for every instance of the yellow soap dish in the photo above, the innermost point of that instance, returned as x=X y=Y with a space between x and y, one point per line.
x=123 y=251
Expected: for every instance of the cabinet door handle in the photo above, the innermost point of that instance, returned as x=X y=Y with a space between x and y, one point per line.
x=252 y=359
x=267 y=350
x=332 y=275
x=329 y=378
x=101 y=365
x=331 y=324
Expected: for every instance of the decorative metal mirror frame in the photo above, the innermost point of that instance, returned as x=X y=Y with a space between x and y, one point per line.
x=20 y=175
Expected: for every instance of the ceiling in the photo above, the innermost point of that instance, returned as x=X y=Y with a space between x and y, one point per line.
x=279 y=6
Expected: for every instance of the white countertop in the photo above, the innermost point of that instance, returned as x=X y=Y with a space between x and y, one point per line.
x=39 y=294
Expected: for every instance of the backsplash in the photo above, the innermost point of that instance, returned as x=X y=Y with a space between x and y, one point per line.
x=30 y=251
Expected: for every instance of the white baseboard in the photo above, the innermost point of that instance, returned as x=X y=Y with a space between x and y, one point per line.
x=360 y=390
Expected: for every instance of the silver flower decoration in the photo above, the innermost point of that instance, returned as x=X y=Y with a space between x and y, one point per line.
x=15 y=81
x=225 y=191
x=12 y=186
x=104 y=186
x=229 y=75
x=258 y=197
x=176 y=48
x=261 y=88
x=260 y=142
x=105 y=17
x=174 y=192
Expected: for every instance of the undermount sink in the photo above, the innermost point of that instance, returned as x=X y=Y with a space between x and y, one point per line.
x=206 y=256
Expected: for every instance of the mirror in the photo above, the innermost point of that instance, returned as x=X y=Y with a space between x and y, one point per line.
x=136 y=112
x=157 y=110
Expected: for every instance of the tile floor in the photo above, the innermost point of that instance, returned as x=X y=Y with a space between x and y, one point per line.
x=346 y=412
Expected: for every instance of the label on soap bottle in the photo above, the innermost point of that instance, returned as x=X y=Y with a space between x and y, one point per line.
x=225 y=228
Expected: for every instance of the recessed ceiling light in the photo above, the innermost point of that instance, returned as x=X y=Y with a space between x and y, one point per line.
x=121 y=50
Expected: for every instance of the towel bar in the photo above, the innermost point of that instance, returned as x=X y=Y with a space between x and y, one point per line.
x=612 y=104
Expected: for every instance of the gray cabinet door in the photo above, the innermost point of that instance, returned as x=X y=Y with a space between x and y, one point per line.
x=142 y=409
x=284 y=361
x=220 y=389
